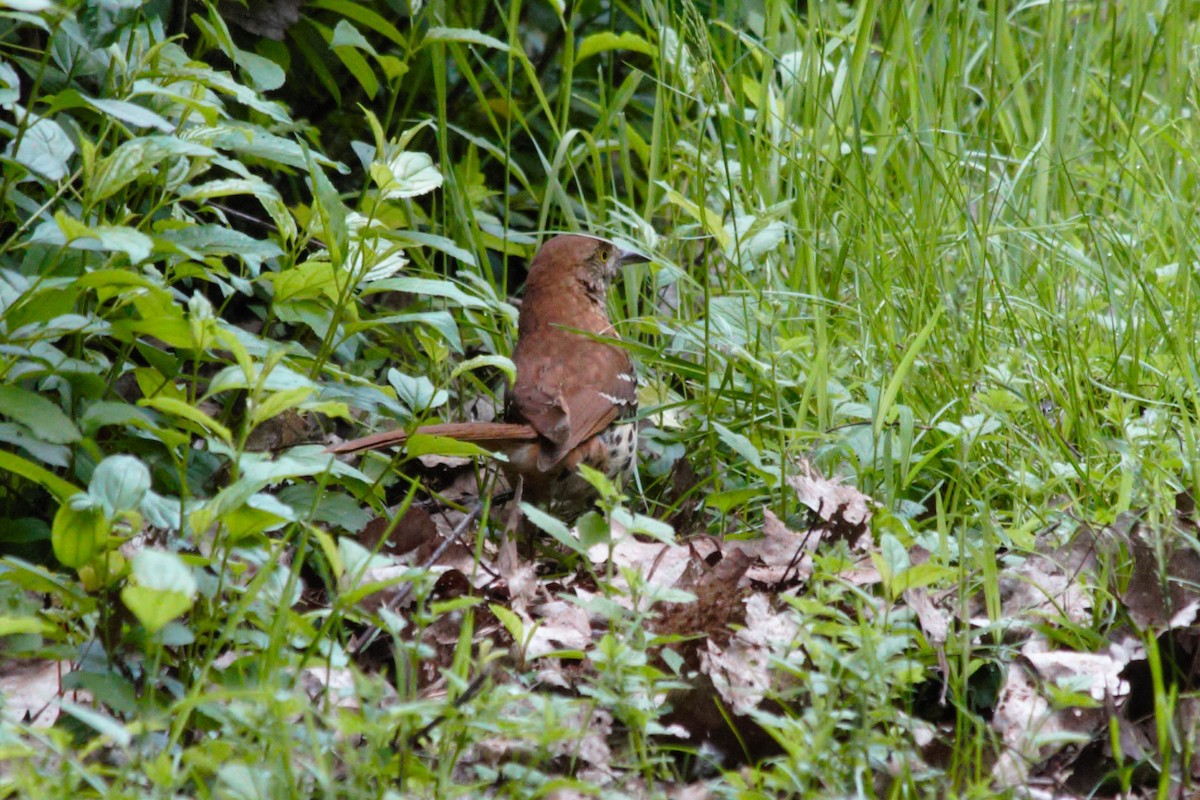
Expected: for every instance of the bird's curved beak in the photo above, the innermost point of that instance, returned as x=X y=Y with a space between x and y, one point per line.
x=625 y=257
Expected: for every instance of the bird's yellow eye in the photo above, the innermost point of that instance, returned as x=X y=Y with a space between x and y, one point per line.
x=602 y=252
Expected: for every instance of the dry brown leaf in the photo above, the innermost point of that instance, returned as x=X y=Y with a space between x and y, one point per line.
x=844 y=509
x=1032 y=728
x=740 y=672
x=1164 y=587
x=782 y=556
x=560 y=626
x=1049 y=584
x=30 y=689
x=934 y=621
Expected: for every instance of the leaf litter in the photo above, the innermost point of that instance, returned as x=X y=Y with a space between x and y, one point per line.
x=724 y=611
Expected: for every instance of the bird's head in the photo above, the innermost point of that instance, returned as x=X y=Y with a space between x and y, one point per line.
x=591 y=261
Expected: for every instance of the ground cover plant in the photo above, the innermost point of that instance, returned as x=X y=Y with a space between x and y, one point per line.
x=914 y=512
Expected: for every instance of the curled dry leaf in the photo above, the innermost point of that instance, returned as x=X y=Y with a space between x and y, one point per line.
x=1033 y=726
x=1052 y=583
x=740 y=671
x=782 y=557
x=1164 y=586
x=30 y=688
x=845 y=510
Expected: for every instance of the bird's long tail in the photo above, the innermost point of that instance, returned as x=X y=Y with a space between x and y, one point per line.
x=480 y=432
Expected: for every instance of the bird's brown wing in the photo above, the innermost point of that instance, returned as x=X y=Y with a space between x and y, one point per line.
x=569 y=388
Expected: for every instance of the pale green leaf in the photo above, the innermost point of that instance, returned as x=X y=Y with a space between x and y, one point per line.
x=37 y=413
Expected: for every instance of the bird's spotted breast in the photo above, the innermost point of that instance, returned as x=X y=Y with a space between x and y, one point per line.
x=618 y=450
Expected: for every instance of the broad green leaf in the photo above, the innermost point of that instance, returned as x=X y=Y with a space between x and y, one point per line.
x=358 y=559
x=37 y=413
x=307 y=281
x=420 y=444
x=440 y=243
x=280 y=378
x=557 y=529
x=10 y=85
x=441 y=321
x=250 y=140
x=502 y=363
x=225 y=84
x=229 y=186
x=346 y=35
x=52 y=455
x=359 y=68
x=100 y=722
x=161 y=588
x=365 y=16
x=199 y=241
x=603 y=42
x=10 y=626
x=28 y=6
x=181 y=408
x=642 y=524
x=277 y=403
x=465 y=35
x=141 y=157
x=262 y=72
x=79 y=531
x=416 y=392
x=739 y=444
x=45 y=149
x=131 y=113
x=12 y=463
x=402 y=174
x=63 y=230
x=427 y=287
x=119 y=483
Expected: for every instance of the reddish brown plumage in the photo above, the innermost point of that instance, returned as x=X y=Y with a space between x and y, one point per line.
x=571 y=390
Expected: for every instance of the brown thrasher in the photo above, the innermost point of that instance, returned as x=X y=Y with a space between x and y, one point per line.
x=574 y=397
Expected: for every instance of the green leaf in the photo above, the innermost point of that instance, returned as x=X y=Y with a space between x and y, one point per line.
x=62 y=490
x=161 y=588
x=102 y=238
x=251 y=140
x=119 y=483
x=647 y=526
x=417 y=393
x=603 y=42
x=277 y=403
x=131 y=113
x=511 y=622
x=14 y=625
x=365 y=16
x=141 y=157
x=38 y=414
x=502 y=363
x=466 y=35
x=199 y=241
x=739 y=444
x=45 y=149
x=10 y=85
x=346 y=35
x=100 y=722
x=553 y=526
x=428 y=287
x=421 y=444
x=180 y=408
x=79 y=532
x=359 y=68
x=52 y=455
